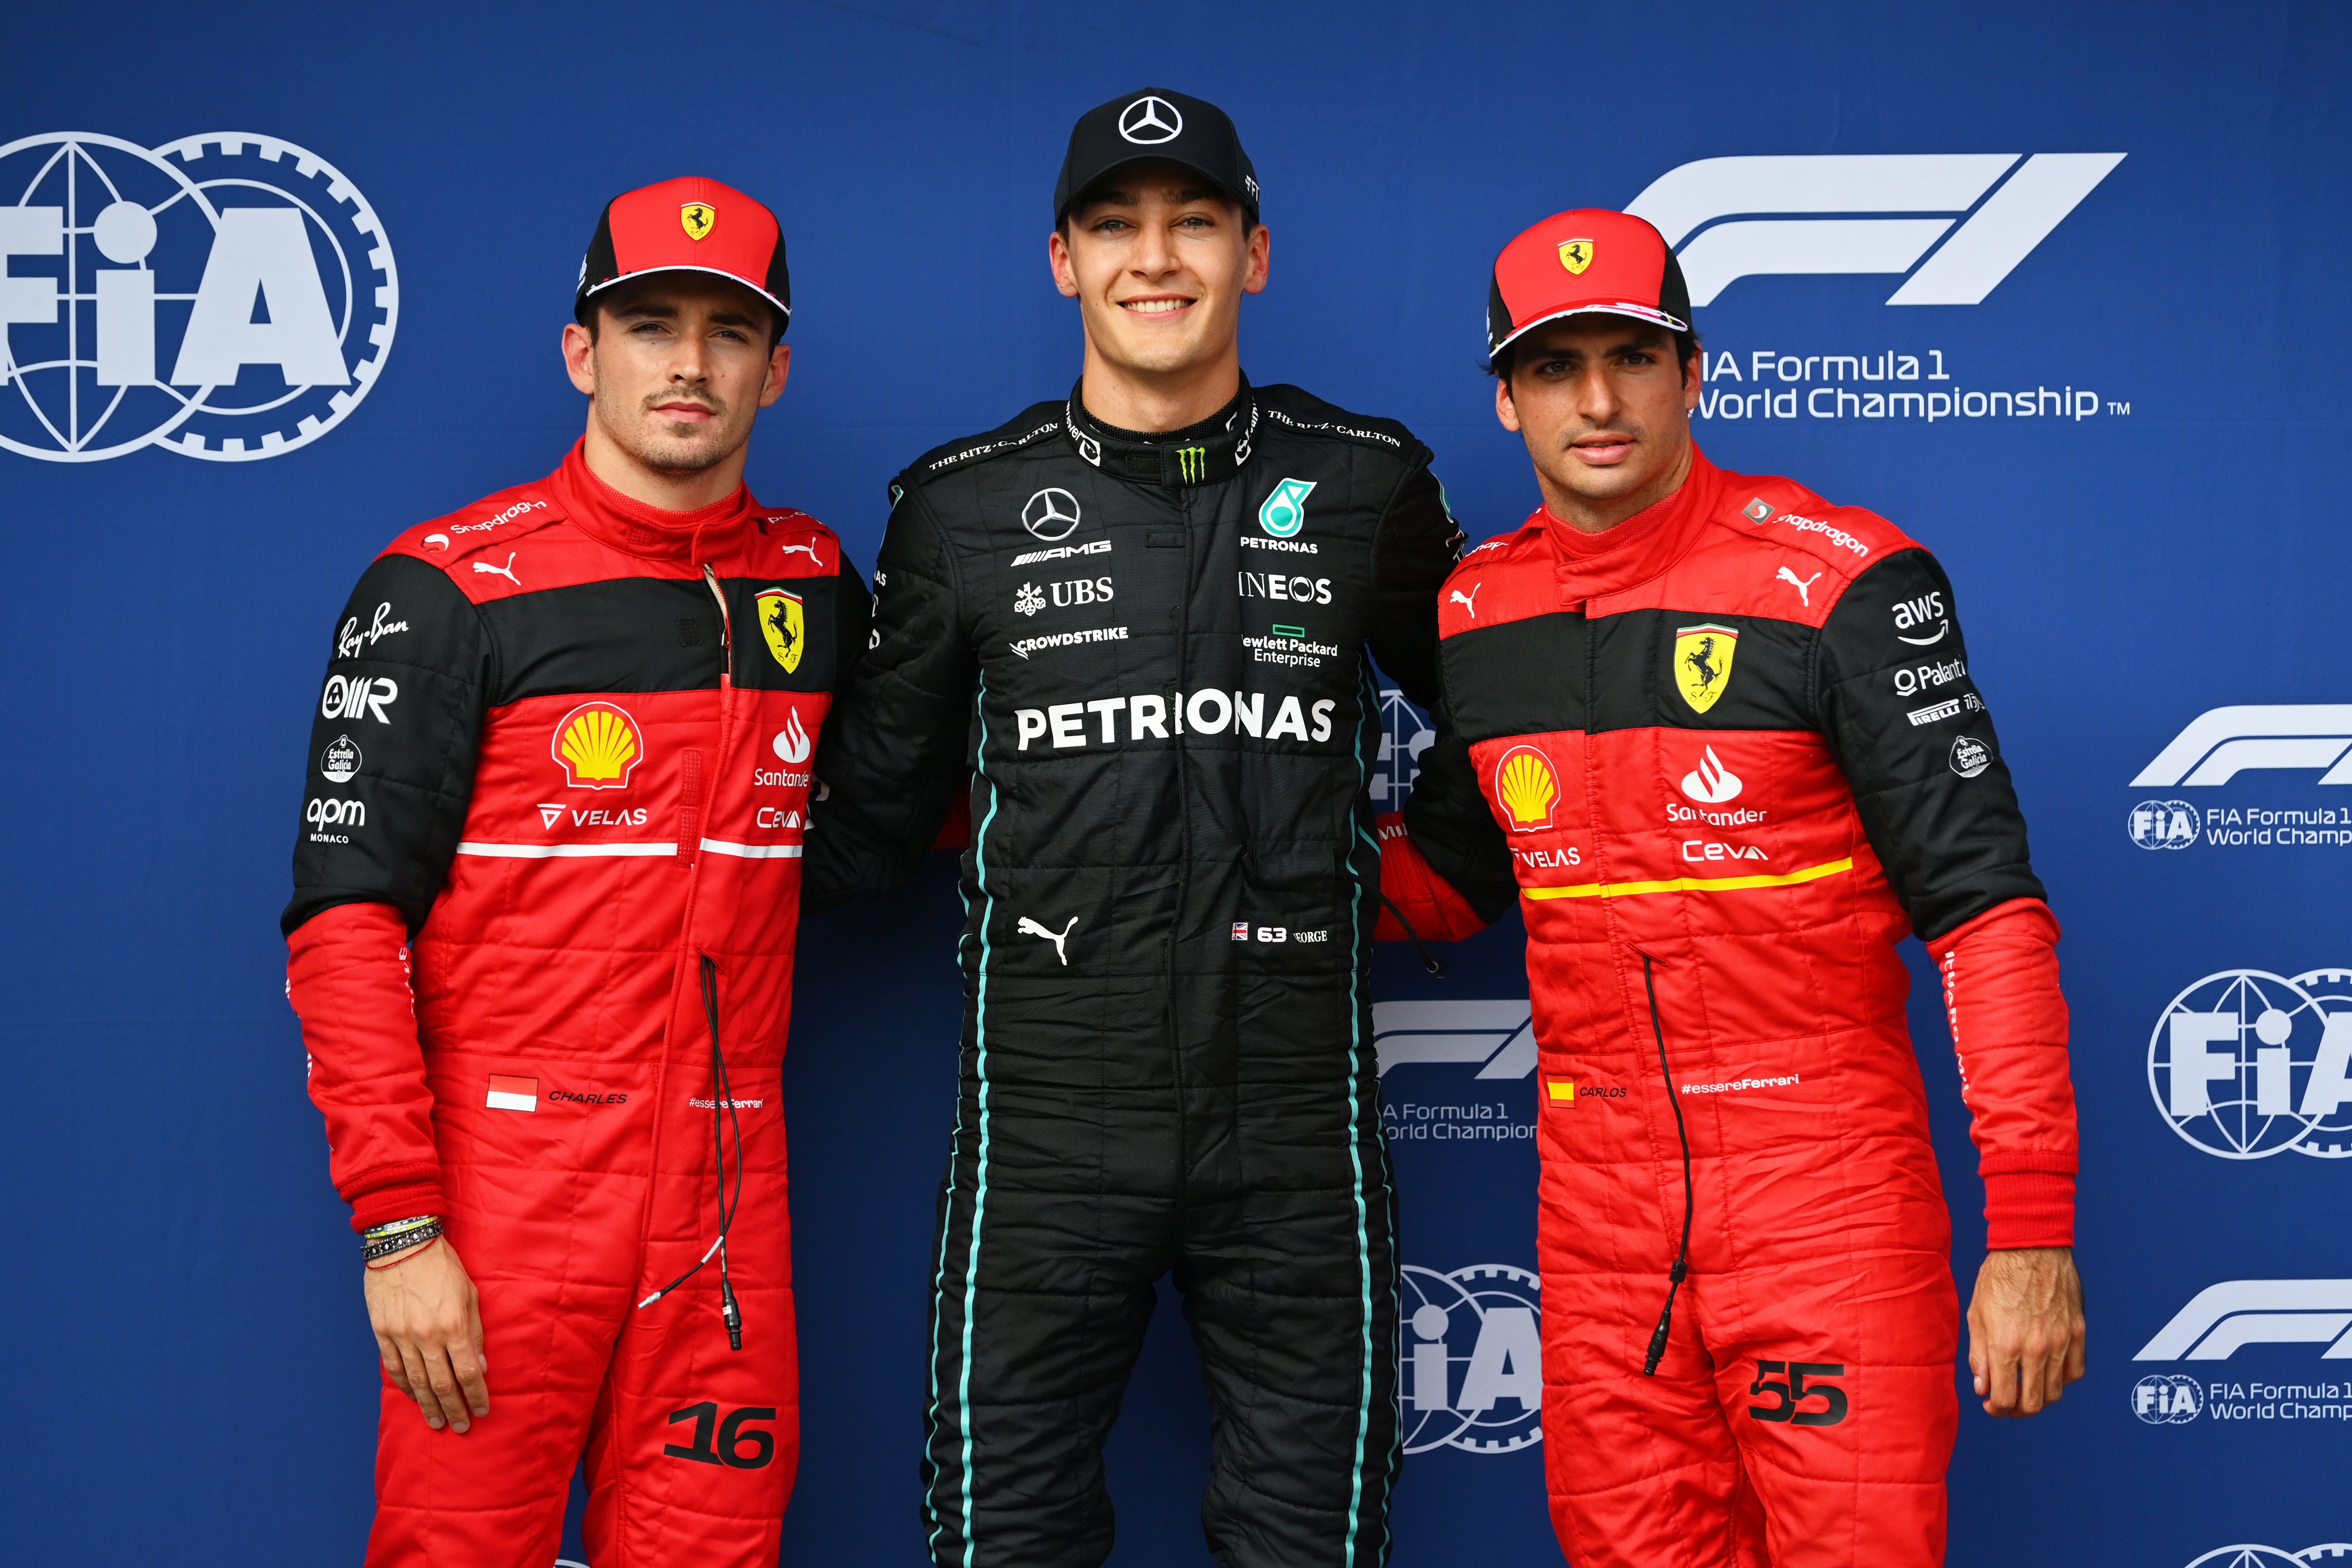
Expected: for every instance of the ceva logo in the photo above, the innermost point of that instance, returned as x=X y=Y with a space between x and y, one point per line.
x=1992 y=209
x=225 y=295
x=2222 y=1319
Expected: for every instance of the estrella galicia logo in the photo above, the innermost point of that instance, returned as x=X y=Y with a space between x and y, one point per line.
x=2244 y=1063
x=2163 y=824
x=2167 y=1399
x=227 y=295
x=1472 y=1372
x=1982 y=233
x=1284 y=511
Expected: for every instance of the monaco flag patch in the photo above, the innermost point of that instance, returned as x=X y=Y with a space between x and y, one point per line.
x=512 y=1093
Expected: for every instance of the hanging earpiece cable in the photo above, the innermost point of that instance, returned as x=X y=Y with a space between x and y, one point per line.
x=1682 y=1258
x=722 y=1120
x=1427 y=962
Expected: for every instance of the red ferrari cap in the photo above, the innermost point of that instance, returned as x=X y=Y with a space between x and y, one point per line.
x=691 y=224
x=1590 y=260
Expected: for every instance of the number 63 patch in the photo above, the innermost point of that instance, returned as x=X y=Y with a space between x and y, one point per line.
x=1790 y=1384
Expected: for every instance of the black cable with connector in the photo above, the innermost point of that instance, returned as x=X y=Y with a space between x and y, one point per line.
x=1682 y=1259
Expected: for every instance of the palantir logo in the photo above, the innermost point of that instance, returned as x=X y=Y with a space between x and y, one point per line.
x=227 y=295
x=1993 y=207
x=1473 y=1359
x=2245 y=1064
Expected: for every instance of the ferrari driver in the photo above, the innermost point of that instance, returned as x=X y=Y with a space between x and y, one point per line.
x=1719 y=740
x=542 y=937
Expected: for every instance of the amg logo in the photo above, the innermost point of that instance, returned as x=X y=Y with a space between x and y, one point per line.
x=1059 y=552
x=1153 y=717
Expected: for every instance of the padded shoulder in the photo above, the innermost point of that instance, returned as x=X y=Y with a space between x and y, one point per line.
x=1783 y=512
x=1507 y=578
x=496 y=519
x=1032 y=425
x=1301 y=412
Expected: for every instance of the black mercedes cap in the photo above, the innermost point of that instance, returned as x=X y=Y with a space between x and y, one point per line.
x=1155 y=124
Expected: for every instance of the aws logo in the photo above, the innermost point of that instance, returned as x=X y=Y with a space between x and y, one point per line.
x=598 y=744
x=1973 y=217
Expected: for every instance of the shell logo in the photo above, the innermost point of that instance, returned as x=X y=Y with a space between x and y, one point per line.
x=599 y=746
x=1528 y=789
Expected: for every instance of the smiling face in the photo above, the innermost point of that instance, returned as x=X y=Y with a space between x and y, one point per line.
x=1158 y=259
x=1605 y=412
x=679 y=366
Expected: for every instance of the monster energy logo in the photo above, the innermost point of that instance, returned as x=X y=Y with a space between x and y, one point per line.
x=1196 y=461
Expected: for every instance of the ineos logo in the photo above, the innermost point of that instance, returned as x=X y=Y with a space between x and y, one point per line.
x=1150 y=121
x=1051 y=514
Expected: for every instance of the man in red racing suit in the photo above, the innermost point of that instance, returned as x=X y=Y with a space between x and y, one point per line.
x=541 y=940
x=1718 y=739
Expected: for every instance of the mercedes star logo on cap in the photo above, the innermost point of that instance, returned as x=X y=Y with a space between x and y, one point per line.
x=1150 y=121
x=1051 y=514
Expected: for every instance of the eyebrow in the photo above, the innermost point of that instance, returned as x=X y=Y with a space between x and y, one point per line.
x=652 y=310
x=1183 y=198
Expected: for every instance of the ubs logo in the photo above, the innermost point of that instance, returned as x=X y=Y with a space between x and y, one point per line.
x=130 y=279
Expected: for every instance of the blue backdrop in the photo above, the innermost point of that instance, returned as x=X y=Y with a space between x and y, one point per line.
x=2103 y=388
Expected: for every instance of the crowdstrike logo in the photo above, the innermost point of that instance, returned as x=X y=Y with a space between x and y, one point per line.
x=2220 y=1319
x=1979 y=214
x=226 y=296
x=2221 y=742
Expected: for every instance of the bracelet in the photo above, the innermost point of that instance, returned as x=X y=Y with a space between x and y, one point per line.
x=414 y=1236
x=392 y=1227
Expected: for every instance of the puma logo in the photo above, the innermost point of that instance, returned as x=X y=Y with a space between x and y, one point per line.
x=506 y=571
x=1470 y=601
x=1801 y=584
x=808 y=550
x=1029 y=927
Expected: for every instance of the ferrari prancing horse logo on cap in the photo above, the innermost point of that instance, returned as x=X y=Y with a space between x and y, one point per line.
x=1576 y=255
x=699 y=218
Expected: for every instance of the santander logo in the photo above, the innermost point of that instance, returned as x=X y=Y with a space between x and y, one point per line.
x=1711 y=782
x=792 y=745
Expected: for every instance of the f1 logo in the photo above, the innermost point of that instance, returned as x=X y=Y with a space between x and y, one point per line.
x=1994 y=231
x=2221 y=1319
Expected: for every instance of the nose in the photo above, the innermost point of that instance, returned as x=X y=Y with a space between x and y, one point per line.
x=1596 y=393
x=1154 y=256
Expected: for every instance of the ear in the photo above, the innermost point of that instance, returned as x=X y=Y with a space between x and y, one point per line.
x=1261 y=250
x=578 y=357
x=1505 y=409
x=1693 y=379
x=1057 y=257
x=780 y=367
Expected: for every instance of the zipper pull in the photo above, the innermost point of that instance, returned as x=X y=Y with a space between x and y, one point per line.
x=710 y=581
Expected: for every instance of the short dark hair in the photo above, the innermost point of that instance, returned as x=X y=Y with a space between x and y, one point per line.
x=1686 y=345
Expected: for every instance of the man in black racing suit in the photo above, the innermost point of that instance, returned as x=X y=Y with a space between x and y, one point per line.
x=1141 y=651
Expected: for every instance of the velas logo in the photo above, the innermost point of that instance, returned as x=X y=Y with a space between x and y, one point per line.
x=1991 y=210
x=598 y=745
x=1528 y=788
x=227 y=295
x=2222 y=1320
x=1703 y=656
x=1472 y=1377
x=698 y=219
x=2245 y=1064
x=1576 y=255
x=1711 y=783
x=784 y=624
x=1284 y=513
x=792 y=743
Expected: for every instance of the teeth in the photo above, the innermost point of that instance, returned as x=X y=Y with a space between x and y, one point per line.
x=1155 y=307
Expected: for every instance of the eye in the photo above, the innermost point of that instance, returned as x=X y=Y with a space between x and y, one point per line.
x=1195 y=221
x=1109 y=226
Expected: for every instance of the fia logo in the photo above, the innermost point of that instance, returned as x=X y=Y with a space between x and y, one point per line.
x=226 y=296
x=2245 y=1064
x=2250 y=1557
x=2162 y=824
x=2163 y=1399
x=1473 y=1359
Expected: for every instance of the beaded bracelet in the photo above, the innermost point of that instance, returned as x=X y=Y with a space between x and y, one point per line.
x=418 y=1237
x=392 y=1227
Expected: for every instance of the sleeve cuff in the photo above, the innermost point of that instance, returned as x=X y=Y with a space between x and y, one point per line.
x=382 y=1205
x=2029 y=1208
